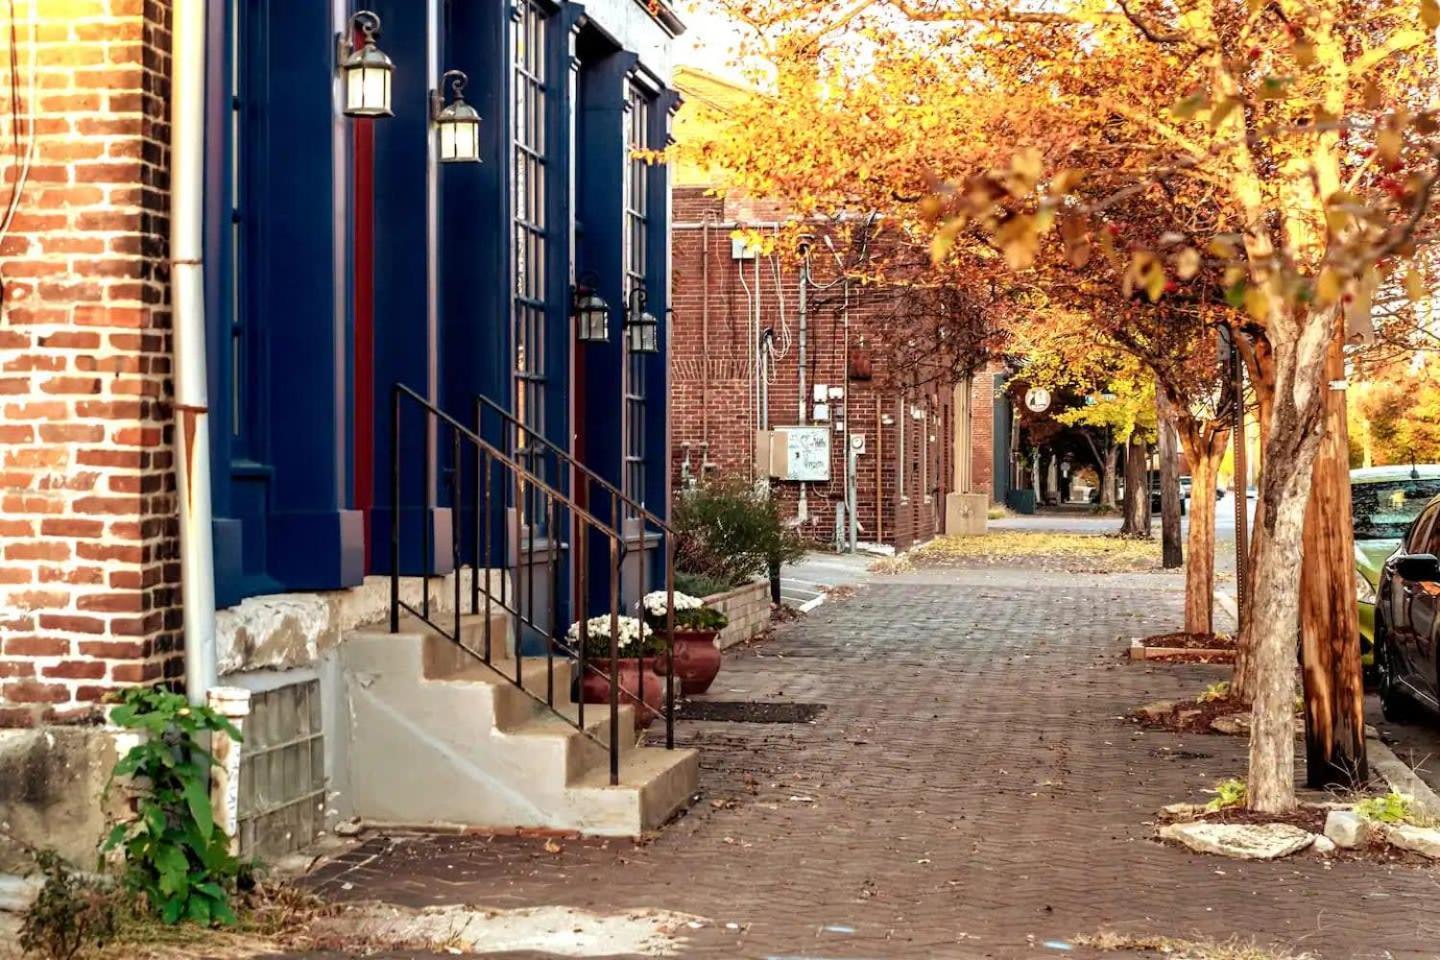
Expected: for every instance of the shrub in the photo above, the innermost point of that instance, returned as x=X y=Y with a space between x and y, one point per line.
x=70 y=912
x=699 y=584
x=176 y=857
x=728 y=532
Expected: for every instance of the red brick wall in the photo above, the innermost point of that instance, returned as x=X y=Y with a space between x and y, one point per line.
x=713 y=401
x=88 y=570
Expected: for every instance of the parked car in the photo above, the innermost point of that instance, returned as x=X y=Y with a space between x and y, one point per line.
x=1157 y=502
x=1407 y=621
x=1384 y=501
x=1187 y=483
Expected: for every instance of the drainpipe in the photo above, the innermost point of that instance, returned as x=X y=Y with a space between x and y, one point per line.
x=705 y=331
x=804 y=311
x=187 y=283
x=803 y=510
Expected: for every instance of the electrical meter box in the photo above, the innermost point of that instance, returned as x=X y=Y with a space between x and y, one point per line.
x=800 y=453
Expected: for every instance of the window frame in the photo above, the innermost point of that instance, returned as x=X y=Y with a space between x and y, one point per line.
x=530 y=158
x=636 y=217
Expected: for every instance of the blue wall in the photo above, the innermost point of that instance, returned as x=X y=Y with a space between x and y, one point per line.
x=280 y=335
x=273 y=311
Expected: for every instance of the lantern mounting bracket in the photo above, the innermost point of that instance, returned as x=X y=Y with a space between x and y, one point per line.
x=367 y=22
x=457 y=80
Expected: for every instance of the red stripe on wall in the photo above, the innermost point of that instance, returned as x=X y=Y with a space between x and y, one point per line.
x=364 y=297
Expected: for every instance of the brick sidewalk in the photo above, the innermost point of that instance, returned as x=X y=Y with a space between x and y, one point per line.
x=968 y=792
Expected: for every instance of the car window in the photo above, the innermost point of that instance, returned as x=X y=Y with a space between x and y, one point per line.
x=1423 y=530
x=1384 y=511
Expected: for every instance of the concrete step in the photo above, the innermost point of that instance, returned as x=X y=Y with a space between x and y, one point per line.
x=584 y=751
x=437 y=736
x=654 y=784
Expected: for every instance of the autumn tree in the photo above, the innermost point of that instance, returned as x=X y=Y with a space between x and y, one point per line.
x=1295 y=135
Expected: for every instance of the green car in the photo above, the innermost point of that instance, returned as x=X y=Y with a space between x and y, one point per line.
x=1383 y=502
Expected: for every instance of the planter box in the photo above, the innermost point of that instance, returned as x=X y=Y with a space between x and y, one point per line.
x=1138 y=651
x=1021 y=501
x=748 y=608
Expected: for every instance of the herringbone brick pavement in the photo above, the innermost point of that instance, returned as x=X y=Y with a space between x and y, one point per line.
x=970 y=791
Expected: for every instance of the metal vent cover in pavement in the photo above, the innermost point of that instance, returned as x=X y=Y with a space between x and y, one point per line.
x=749 y=711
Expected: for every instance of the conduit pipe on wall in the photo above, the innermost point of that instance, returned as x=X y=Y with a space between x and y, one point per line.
x=187 y=292
x=705 y=340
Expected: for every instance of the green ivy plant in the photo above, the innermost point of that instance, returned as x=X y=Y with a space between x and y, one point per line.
x=176 y=856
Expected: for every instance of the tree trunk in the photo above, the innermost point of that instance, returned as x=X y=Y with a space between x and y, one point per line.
x=1172 y=556
x=1330 y=630
x=1108 y=472
x=1271 y=787
x=1295 y=431
x=1260 y=363
x=1137 y=491
x=1200 y=571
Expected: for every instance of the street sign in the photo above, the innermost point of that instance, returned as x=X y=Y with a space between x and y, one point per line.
x=1037 y=399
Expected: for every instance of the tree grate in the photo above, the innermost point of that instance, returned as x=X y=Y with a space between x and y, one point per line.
x=749 y=711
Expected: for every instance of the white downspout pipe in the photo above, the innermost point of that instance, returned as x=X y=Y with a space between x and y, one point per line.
x=187 y=292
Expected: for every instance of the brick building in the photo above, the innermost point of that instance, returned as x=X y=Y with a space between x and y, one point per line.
x=737 y=377
x=88 y=551
x=339 y=258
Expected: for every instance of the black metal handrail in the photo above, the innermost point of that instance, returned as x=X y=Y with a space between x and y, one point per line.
x=582 y=524
x=483 y=402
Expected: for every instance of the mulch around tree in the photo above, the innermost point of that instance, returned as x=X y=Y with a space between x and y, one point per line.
x=1311 y=818
x=1307 y=818
x=1190 y=716
x=1184 y=647
x=1192 y=641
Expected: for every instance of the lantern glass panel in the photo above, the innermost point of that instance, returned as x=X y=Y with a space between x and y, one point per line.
x=367 y=83
x=377 y=89
x=592 y=315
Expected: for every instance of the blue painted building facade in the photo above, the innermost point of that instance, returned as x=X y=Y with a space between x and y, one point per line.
x=342 y=259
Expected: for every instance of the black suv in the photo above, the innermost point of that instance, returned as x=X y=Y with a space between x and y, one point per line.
x=1407 y=620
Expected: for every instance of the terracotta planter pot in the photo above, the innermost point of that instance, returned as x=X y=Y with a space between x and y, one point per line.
x=697 y=660
x=638 y=678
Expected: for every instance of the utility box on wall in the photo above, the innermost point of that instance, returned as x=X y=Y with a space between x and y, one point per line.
x=800 y=453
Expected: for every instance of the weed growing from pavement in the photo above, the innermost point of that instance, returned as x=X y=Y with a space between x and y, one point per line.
x=888 y=566
x=1214 y=692
x=1227 y=793
x=1391 y=807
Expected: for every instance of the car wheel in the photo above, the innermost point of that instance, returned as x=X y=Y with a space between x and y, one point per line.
x=1394 y=701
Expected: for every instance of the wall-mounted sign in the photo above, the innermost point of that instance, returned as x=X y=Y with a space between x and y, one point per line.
x=1037 y=399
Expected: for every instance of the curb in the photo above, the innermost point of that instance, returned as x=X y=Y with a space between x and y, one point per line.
x=1228 y=602
x=1401 y=778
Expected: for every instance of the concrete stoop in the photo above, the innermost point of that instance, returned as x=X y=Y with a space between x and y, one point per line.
x=438 y=737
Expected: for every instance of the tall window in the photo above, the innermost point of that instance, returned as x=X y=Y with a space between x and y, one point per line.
x=239 y=416
x=532 y=364
x=637 y=200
